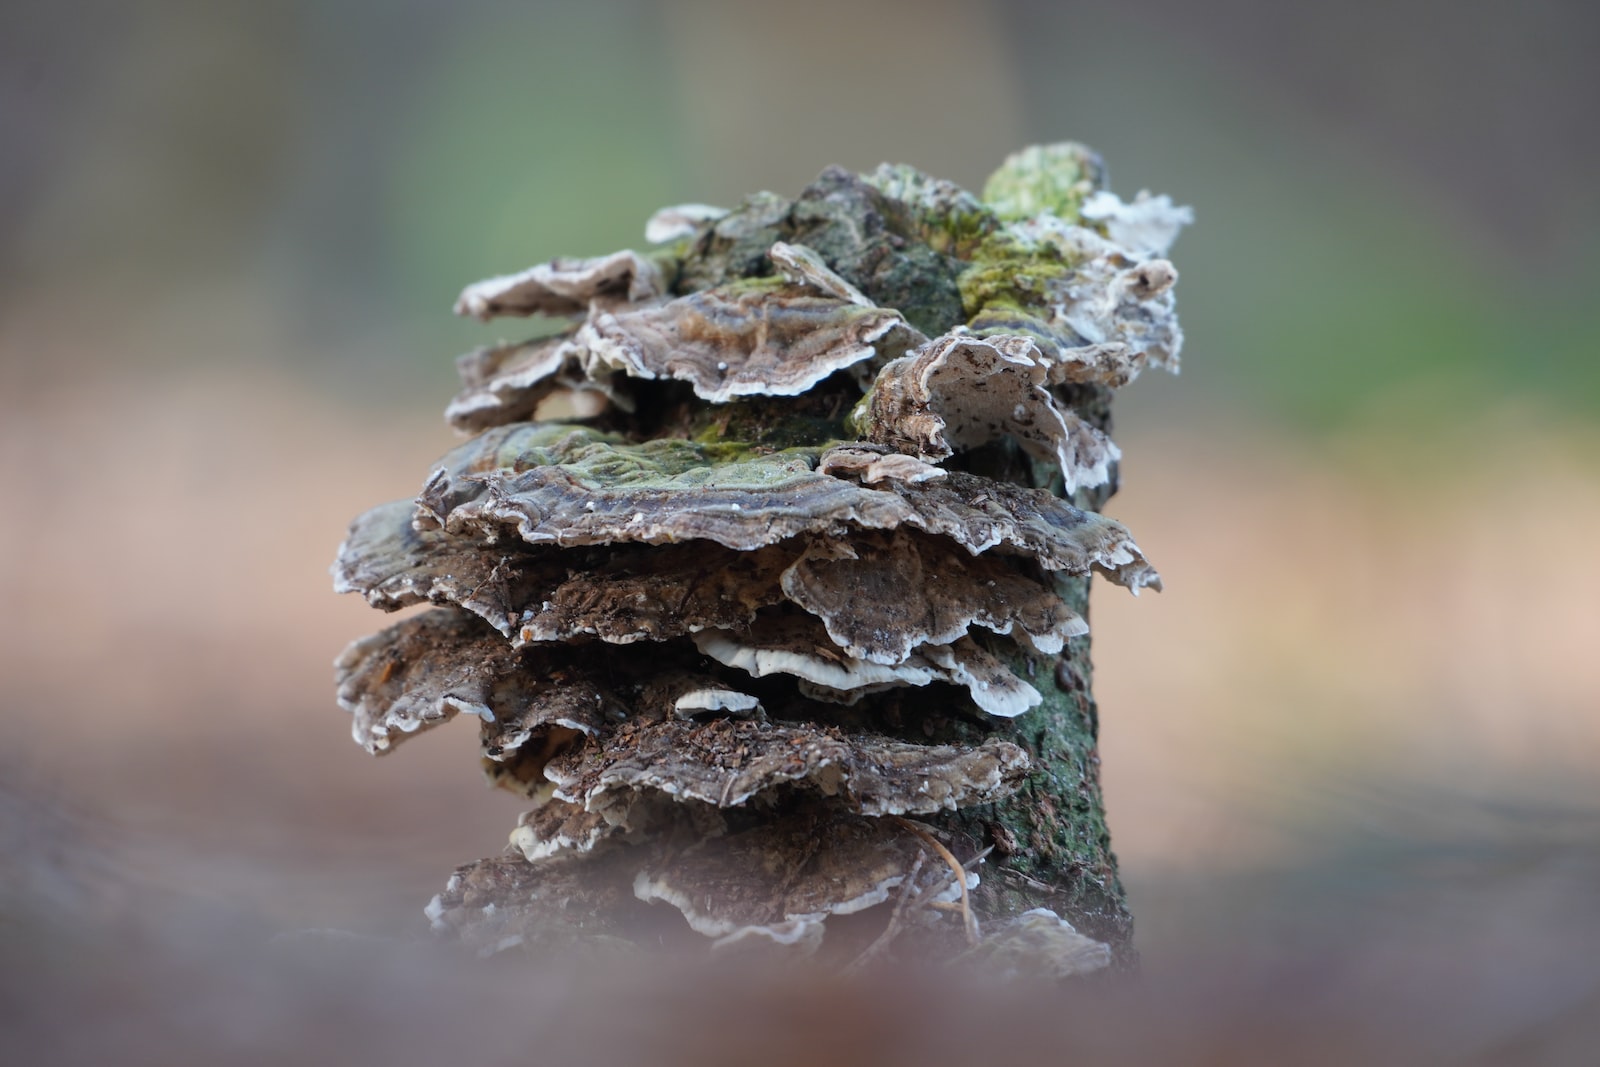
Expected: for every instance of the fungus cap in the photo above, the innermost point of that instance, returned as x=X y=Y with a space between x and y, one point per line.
x=564 y=287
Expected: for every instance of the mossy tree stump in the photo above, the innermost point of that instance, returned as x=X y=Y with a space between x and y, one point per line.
x=767 y=579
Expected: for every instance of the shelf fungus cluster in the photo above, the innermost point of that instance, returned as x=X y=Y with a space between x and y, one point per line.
x=764 y=579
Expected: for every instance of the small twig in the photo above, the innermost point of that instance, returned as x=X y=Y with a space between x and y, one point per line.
x=881 y=944
x=969 y=920
x=494 y=573
x=1031 y=881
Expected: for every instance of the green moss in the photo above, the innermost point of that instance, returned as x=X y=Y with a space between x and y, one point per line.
x=760 y=424
x=736 y=246
x=1007 y=273
x=1011 y=287
x=1063 y=858
x=753 y=286
x=1052 y=845
x=853 y=227
x=1054 y=179
x=1060 y=845
x=859 y=422
x=936 y=212
x=902 y=255
x=668 y=259
x=997 y=319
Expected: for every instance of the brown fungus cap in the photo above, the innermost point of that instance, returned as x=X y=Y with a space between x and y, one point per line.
x=679 y=221
x=564 y=287
x=880 y=595
x=592 y=724
x=803 y=266
x=1036 y=944
x=870 y=464
x=798 y=645
x=564 y=901
x=762 y=337
x=424 y=672
x=980 y=514
x=564 y=485
x=557 y=826
x=532 y=594
x=654 y=594
x=820 y=863
x=959 y=392
x=509 y=383
x=429 y=667
x=726 y=762
x=394 y=565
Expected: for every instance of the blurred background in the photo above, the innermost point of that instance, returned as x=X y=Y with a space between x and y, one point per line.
x=1351 y=755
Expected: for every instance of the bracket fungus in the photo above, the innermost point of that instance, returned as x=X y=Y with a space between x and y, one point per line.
x=810 y=559
x=964 y=392
x=563 y=287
